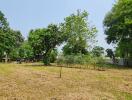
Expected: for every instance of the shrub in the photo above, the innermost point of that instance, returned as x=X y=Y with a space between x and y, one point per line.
x=79 y=59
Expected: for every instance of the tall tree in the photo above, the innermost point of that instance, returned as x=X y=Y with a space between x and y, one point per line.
x=79 y=33
x=3 y=28
x=13 y=39
x=45 y=40
x=9 y=39
x=118 y=26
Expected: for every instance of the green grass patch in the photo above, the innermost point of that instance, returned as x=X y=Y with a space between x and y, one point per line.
x=120 y=95
x=6 y=68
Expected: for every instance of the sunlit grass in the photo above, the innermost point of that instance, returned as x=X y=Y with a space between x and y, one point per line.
x=31 y=81
x=6 y=68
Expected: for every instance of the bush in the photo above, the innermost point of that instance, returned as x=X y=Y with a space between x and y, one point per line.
x=79 y=59
x=74 y=59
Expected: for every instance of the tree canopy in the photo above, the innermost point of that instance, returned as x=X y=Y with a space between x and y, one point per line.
x=79 y=33
x=97 y=51
x=76 y=32
x=3 y=22
x=9 y=39
x=45 y=40
x=118 y=26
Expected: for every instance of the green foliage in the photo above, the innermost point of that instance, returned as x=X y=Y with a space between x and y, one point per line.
x=45 y=40
x=27 y=49
x=79 y=59
x=3 y=22
x=79 y=33
x=110 y=53
x=53 y=55
x=14 y=54
x=118 y=23
x=98 y=51
x=13 y=39
x=60 y=60
x=9 y=39
x=74 y=59
x=23 y=52
x=68 y=49
x=3 y=31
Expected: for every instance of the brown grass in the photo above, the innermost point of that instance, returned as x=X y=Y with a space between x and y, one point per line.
x=25 y=82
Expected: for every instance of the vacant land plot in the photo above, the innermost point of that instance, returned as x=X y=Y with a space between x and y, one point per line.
x=27 y=82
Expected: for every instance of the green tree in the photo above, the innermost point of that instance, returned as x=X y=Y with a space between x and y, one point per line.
x=28 y=51
x=3 y=28
x=35 y=41
x=79 y=33
x=110 y=54
x=14 y=54
x=3 y=22
x=118 y=27
x=13 y=39
x=45 y=40
x=9 y=39
x=53 y=55
x=98 y=51
x=25 y=51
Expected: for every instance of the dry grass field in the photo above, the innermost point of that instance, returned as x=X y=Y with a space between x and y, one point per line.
x=30 y=82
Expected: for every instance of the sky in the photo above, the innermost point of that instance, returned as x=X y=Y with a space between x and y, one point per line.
x=25 y=15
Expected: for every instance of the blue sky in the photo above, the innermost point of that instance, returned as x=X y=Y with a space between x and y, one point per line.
x=24 y=15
